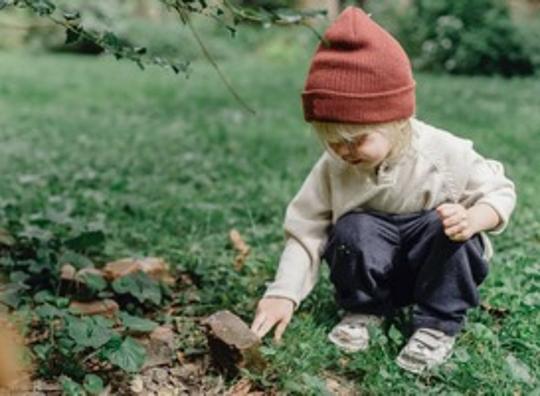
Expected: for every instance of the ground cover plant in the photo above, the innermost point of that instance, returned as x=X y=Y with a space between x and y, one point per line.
x=147 y=164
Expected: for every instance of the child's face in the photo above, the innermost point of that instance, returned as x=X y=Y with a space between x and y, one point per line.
x=368 y=149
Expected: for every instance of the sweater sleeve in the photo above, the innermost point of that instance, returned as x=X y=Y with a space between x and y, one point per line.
x=306 y=221
x=487 y=184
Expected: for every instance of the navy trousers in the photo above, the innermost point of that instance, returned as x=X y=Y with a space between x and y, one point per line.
x=380 y=262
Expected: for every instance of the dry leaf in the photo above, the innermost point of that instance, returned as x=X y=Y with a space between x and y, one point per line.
x=338 y=386
x=241 y=388
x=241 y=247
x=154 y=267
x=496 y=312
x=104 y=307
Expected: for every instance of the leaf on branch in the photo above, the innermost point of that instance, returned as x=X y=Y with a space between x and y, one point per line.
x=4 y=4
x=73 y=34
x=72 y=16
x=41 y=7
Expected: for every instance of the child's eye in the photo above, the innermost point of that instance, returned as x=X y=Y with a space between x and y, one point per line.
x=360 y=139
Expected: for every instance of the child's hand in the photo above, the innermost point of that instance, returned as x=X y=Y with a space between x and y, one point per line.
x=456 y=222
x=272 y=311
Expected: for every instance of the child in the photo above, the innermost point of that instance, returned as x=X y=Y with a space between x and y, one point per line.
x=397 y=208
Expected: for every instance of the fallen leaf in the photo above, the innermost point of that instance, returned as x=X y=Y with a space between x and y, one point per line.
x=241 y=247
x=338 y=386
x=155 y=267
x=103 y=307
x=496 y=312
x=241 y=388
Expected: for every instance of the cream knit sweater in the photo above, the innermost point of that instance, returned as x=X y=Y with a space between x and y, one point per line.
x=437 y=167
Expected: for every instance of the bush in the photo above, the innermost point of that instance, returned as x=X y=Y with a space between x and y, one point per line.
x=464 y=37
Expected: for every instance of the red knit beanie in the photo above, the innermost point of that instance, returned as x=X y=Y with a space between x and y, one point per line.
x=360 y=74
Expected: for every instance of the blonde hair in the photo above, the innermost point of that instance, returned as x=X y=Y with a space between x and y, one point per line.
x=399 y=133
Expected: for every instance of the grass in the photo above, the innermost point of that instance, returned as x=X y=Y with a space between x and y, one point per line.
x=171 y=165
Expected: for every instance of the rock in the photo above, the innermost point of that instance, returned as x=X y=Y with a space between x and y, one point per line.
x=160 y=376
x=68 y=272
x=160 y=346
x=155 y=267
x=168 y=391
x=232 y=344
x=164 y=334
x=103 y=307
x=137 y=385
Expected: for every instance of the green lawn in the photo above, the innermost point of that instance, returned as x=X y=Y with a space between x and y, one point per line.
x=170 y=165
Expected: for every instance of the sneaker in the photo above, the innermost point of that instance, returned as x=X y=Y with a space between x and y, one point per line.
x=351 y=334
x=426 y=348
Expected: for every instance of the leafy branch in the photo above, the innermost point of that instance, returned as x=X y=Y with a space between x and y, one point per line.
x=224 y=12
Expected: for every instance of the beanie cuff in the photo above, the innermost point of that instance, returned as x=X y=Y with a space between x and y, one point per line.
x=329 y=106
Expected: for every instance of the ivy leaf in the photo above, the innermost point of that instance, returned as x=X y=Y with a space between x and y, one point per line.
x=140 y=286
x=48 y=311
x=130 y=356
x=70 y=387
x=44 y=296
x=93 y=384
x=94 y=282
x=42 y=350
x=87 y=332
x=137 y=324
x=11 y=295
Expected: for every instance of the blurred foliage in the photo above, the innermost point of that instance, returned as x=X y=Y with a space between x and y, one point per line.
x=143 y=31
x=461 y=37
x=268 y=4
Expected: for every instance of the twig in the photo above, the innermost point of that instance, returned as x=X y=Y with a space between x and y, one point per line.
x=185 y=19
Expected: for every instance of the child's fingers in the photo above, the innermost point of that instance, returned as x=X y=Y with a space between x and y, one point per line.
x=456 y=229
x=257 y=322
x=453 y=220
x=446 y=210
x=265 y=327
x=280 y=329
